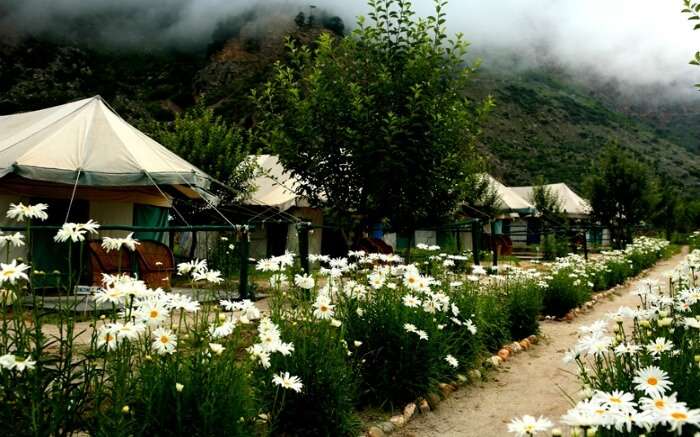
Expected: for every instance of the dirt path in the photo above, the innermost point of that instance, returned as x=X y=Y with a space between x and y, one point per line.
x=530 y=383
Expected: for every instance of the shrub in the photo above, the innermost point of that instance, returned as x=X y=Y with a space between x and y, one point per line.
x=493 y=321
x=326 y=404
x=396 y=366
x=524 y=301
x=564 y=292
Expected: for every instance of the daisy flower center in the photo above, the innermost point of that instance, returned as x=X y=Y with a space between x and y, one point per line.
x=660 y=404
x=652 y=381
x=164 y=339
x=153 y=314
x=679 y=415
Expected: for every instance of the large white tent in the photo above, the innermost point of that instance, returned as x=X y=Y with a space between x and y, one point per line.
x=85 y=161
x=573 y=205
x=511 y=201
x=85 y=143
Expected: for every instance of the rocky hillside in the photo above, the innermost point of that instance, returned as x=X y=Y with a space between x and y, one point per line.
x=543 y=123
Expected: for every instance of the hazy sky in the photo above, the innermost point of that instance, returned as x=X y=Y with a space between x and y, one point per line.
x=635 y=42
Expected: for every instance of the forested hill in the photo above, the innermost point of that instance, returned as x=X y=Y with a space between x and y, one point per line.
x=545 y=125
x=542 y=124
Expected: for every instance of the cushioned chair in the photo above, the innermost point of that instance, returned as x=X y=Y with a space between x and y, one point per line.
x=102 y=261
x=156 y=263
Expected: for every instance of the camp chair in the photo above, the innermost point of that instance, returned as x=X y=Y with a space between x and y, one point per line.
x=373 y=245
x=102 y=261
x=156 y=263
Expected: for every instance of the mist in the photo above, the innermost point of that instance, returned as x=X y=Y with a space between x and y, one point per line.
x=641 y=46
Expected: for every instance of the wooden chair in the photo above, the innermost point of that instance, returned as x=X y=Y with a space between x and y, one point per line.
x=156 y=263
x=102 y=261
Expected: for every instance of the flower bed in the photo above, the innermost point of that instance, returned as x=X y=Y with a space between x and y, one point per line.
x=639 y=366
x=367 y=330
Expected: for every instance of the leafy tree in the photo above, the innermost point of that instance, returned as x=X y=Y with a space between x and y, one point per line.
x=481 y=196
x=692 y=8
x=208 y=142
x=668 y=213
x=375 y=125
x=622 y=193
x=546 y=201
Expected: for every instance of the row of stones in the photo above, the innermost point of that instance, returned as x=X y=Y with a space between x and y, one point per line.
x=431 y=400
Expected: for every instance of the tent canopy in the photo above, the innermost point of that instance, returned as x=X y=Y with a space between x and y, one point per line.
x=510 y=200
x=85 y=143
x=274 y=186
x=573 y=205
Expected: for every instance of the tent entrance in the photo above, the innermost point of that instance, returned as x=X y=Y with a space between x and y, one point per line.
x=50 y=257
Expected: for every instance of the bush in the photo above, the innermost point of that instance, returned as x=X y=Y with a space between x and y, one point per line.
x=326 y=404
x=493 y=321
x=564 y=292
x=524 y=301
x=396 y=366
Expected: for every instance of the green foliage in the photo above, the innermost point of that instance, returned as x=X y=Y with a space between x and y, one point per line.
x=213 y=388
x=546 y=201
x=564 y=293
x=396 y=367
x=326 y=405
x=622 y=193
x=210 y=143
x=524 y=303
x=493 y=320
x=377 y=123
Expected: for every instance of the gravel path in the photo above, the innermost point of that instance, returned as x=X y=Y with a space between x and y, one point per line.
x=532 y=382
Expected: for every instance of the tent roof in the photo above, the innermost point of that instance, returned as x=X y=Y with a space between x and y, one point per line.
x=86 y=140
x=511 y=200
x=274 y=187
x=572 y=204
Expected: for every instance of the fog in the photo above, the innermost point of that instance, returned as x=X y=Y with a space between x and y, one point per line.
x=637 y=44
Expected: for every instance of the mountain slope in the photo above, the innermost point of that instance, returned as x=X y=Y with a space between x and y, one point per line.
x=544 y=126
x=543 y=123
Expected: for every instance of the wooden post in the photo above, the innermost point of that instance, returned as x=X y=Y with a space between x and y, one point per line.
x=494 y=243
x=476 y=235
x=585 y=244
x=243 y=291
x=303 y=233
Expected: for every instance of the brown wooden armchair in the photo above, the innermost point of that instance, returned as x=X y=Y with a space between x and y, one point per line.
x=110 y=263
x=156 y=263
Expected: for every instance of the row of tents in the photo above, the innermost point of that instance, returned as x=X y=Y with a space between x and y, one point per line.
x=85 y=161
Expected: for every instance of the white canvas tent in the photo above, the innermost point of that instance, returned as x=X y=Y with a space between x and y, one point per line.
x=85 y=143
x=511 y=201
x=83 y=158
x=573 y=205
x=275 y=188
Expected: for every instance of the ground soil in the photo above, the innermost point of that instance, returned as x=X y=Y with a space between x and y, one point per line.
x=534 y=382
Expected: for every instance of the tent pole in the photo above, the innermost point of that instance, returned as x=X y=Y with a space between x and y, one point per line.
x=476 y=235
x=245 y=255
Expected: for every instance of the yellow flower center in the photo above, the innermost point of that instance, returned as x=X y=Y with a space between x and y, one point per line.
x=652 y=381
x=679 y=415
x=660 y=404
x=109 y=337
x=8 y=273
x=153 y=314
x=164 y=339
x=615 y=400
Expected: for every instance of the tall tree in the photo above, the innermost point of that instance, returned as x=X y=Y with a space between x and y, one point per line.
x=622 y=193
x=376 y=125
